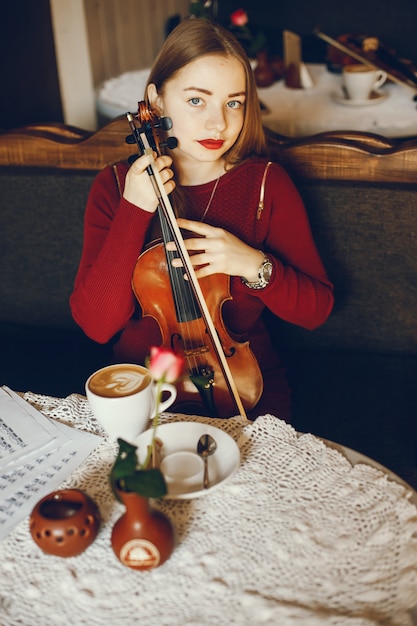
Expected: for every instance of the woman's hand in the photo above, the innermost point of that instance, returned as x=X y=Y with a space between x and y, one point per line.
x=216 y=251
x=138 y=187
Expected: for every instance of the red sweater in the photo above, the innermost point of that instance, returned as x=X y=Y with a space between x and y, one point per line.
x=104 y=305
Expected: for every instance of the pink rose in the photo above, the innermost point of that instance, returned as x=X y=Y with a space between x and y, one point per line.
x=165 y=365
x=239 y=18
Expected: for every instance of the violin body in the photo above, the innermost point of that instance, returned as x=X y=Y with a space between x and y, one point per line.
x=152 y=287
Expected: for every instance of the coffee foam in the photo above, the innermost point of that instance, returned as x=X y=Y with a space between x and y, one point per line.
x=358 y=69
x=117 y=381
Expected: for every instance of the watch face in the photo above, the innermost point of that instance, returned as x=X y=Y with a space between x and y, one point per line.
x=266 y=271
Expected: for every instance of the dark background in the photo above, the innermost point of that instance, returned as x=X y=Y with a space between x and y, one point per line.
x=28 y=74
x=394 y=22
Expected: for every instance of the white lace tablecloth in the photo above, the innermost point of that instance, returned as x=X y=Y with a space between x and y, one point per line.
x=296 y=536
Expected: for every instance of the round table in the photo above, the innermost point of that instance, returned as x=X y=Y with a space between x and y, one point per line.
x=297 y=535
x=316 y=109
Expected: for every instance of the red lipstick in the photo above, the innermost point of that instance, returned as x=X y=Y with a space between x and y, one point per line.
x=211 y=144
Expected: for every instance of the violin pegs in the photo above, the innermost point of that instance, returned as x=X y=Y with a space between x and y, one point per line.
x=171 y=143
x=166 y=123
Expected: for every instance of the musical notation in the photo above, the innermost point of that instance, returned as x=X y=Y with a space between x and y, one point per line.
x=36 y=455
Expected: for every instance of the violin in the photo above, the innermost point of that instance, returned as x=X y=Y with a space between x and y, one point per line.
x=223 y=375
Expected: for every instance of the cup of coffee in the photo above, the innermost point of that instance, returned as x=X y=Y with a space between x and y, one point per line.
x=361 y=80
x=122 y=398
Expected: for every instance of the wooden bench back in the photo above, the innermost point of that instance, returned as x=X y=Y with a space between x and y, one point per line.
x=328 y=156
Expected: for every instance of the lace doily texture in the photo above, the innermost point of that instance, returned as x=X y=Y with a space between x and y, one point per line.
x=296 y=536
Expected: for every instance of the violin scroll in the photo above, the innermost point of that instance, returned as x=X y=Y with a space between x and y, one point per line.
x=149 y=123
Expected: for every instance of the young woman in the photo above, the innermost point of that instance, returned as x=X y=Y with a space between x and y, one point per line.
x=241 y=215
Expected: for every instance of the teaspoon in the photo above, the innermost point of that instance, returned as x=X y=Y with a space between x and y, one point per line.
x=205 y=447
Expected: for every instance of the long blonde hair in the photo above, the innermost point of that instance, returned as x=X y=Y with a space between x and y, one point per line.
x=197 y=37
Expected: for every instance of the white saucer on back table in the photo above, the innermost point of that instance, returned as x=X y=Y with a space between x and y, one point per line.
x=376 y=98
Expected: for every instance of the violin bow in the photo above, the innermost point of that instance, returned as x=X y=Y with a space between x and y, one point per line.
x=398 y=72
x=168 y=211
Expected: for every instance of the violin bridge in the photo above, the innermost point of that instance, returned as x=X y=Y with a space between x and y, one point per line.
x=195 y=352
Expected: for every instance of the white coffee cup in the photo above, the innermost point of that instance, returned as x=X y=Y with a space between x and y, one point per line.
x=122 y=398
x=361 y=80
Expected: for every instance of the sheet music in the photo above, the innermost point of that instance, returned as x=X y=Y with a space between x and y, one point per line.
x=22 y=433
x=36 y=455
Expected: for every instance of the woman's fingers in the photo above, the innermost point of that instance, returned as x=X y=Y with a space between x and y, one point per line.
x=139 y=189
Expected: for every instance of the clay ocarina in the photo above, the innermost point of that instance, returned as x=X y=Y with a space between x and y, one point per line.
x=65 y=522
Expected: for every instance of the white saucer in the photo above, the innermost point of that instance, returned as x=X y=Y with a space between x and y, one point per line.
x=180 y=436
x=376 y=98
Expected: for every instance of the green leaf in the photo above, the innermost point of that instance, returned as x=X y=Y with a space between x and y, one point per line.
x=148 y=483
x=125 y=474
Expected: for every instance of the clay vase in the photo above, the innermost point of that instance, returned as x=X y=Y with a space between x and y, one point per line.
x=143 y=537
x=65 y=522
x=263 y=72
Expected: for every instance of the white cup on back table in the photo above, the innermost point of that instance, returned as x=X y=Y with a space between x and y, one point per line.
x=122 y=398
x=361 y=80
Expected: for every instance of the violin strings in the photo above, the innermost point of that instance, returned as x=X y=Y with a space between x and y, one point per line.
x=184 y=298
x=183 y=292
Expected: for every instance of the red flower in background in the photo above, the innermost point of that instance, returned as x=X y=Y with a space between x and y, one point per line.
x=239 y=18
x=239 y=27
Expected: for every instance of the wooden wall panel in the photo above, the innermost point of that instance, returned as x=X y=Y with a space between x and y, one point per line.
x=125 y=35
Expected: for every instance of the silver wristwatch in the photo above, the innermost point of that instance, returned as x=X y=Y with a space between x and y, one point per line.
x=264 y=274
